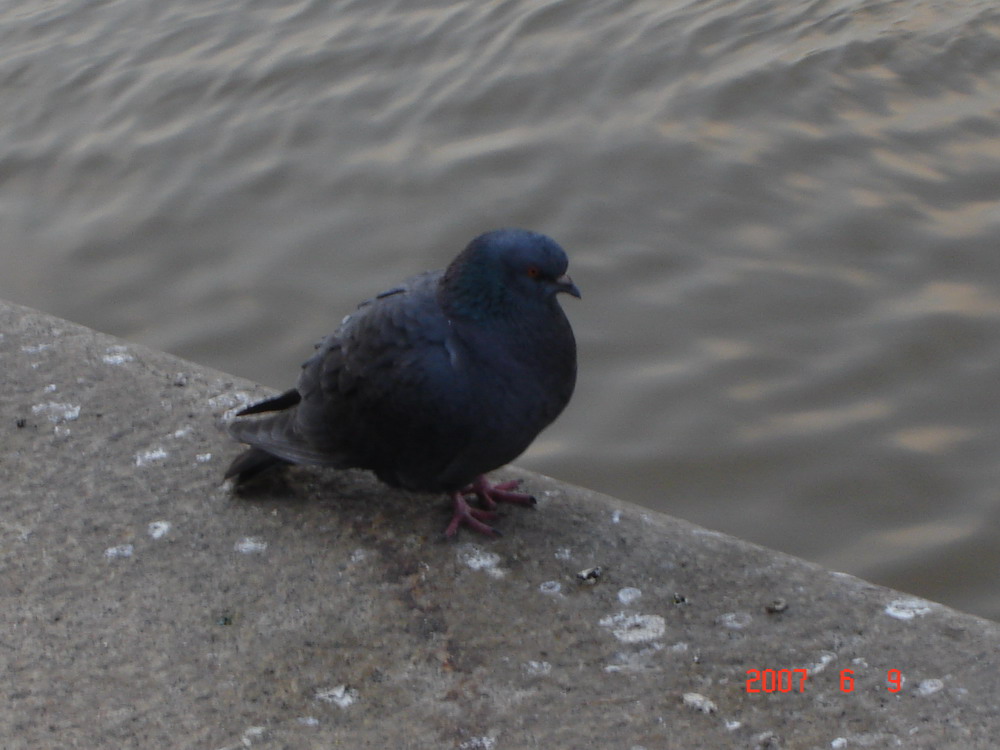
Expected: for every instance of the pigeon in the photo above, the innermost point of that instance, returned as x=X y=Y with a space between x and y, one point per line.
x=435 y=382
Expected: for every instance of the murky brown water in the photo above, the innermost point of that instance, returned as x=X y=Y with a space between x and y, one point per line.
x=784 y=218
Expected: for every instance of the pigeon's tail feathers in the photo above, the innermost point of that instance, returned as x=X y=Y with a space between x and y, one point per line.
x=258 y=434
x=279 y=435
x=286 y=400
x=250 y=463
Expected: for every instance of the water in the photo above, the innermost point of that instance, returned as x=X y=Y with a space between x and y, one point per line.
x=783 y=216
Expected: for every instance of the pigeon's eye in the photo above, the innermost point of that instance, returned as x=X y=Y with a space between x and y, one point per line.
x=534 y=272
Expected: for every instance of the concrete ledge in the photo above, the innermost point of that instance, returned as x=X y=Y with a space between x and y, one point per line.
x=141 y=605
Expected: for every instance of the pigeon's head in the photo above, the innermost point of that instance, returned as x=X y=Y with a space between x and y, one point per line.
x=505 y=271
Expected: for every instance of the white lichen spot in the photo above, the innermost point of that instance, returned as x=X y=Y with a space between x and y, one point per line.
x=537 y=668
x=635 y=661
x=907 y=609
x=35 y=348
x=117 y=355
x=359 y=555
x=551 y=588
x=144 y=458
x=679 y=648
x=252 y=735
x=628 y=595
x=734 y=620
x=699 y=702
x=250 y=545
x=203 y=458
x=838 y=743
x=732 y=725
x=341 y=695
x=634 y=628
x=929 y=687
x=62 y=431
x=158 y=529
x=479 y=559
x=57 y=412
x=825 y=659
x=616 y=516
x=122 y=550
x=50 y=388
x=309 y=721
x=563 y=553
x=479 y=743
x=182 y=432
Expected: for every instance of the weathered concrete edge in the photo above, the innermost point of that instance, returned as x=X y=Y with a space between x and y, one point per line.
x=705 y=582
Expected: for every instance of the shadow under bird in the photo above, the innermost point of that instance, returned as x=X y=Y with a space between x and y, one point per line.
x=435 y=382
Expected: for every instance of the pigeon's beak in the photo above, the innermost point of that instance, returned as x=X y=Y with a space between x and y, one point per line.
x=565 y=284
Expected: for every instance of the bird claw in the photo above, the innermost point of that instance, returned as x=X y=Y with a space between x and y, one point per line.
x=474 y=518
x=489 y=495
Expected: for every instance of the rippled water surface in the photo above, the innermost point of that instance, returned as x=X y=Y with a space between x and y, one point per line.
x=783 y=216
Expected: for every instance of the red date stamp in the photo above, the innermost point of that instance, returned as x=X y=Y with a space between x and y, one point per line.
x=794 y=680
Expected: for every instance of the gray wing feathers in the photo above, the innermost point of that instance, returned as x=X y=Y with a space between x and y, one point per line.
x=277 y=434
x=369 y=359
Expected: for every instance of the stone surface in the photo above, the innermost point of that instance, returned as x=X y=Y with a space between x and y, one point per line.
x=142 y=605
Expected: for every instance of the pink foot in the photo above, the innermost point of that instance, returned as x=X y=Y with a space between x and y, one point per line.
x=465 y=515
x=489 y=495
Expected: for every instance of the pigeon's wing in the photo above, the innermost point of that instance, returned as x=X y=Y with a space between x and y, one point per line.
x=392 y=365
x=391 y=345
x=376 y=375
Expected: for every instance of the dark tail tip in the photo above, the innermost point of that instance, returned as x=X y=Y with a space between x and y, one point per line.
x=286 y=400
x=250 y=463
